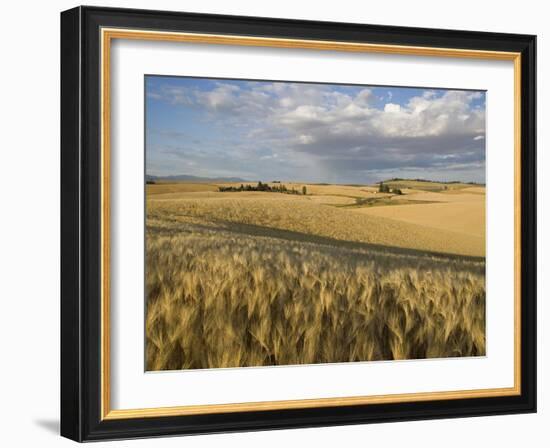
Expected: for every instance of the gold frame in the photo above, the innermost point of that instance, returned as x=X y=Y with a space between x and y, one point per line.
x=107 y=35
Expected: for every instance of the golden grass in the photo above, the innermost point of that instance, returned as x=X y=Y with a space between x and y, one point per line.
x=474 y=190
x=256 y=279
x=339 y=190
x=448 y=196
x=224 y=294
x=332 y=200
x=426 y=186
x=178 y=187
x=300 y=214
x=465 y=217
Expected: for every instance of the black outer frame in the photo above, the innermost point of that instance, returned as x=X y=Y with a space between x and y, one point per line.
x=80 y=224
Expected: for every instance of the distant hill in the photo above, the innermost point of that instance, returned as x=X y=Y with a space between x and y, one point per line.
x=189 y=178
x=451 y=182
x=425 y=184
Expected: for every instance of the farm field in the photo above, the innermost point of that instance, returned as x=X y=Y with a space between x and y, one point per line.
x=340 y=273
x=463 y=213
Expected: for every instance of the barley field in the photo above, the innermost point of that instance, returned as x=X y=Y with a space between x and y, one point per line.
x=340 y=274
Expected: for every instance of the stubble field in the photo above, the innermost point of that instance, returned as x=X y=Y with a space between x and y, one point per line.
x=343 y=273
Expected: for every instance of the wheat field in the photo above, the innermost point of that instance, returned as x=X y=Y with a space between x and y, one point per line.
x=259 y=279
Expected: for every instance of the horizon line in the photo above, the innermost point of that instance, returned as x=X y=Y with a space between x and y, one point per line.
x=417 y=179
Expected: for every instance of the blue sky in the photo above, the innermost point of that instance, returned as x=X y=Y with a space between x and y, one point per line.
x=260 y=130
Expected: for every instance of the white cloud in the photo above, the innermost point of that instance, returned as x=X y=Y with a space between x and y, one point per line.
x=306 y=139
x=345 y=129
x=222 y=97
x=428 y=94
x=390 y=107
x=363 y=98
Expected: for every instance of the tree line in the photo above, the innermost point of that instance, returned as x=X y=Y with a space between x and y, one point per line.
x=280 y=188
x=383 y=188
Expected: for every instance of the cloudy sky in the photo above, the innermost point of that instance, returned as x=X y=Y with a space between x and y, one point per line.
x=312 y=132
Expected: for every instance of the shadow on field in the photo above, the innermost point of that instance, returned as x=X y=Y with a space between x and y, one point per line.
x=254 y=230
x=293 y=236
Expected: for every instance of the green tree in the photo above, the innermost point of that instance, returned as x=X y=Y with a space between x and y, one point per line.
x=304 y=190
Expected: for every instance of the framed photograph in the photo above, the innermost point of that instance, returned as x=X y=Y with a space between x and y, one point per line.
x=273 y=223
